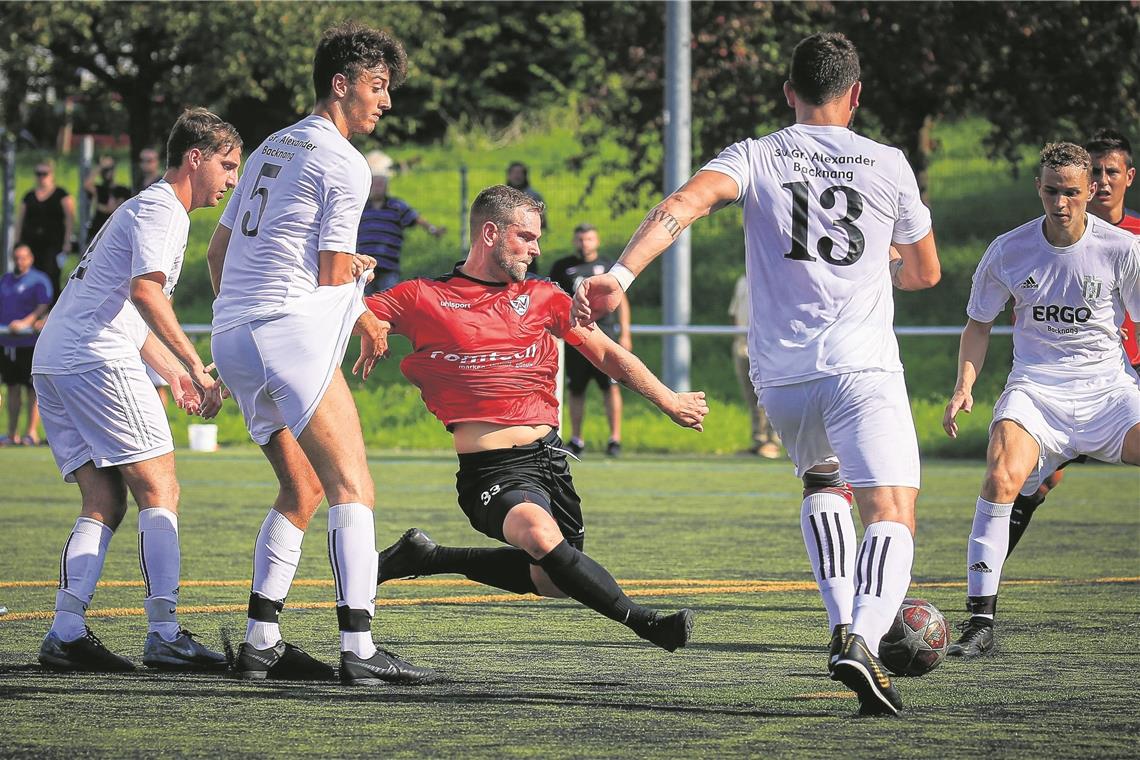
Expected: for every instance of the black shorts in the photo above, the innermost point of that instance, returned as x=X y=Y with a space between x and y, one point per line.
x=491 y=483
x=579 y=373
x=16 y=365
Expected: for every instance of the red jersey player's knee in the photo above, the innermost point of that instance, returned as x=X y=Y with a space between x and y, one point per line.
x=531 y=528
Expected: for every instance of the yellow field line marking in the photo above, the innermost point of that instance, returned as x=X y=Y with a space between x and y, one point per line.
x=664 y=588
x=407 y=582
x=629 y=583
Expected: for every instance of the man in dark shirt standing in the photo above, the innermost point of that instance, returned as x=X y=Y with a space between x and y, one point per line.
x=568 y=273
x=381 y=233
x=105 y=197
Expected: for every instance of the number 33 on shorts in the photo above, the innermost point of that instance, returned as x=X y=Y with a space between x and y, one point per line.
x=485 y=497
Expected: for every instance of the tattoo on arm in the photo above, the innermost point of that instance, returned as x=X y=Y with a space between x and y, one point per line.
x=672 y=226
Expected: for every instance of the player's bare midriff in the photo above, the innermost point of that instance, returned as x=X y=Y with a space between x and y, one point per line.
x=486 y=436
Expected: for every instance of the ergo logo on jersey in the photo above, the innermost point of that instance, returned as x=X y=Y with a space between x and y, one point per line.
x=1066 y=314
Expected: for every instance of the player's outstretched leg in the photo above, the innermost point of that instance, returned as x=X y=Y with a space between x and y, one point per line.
x=829 y=537
x=985 y=557
x=583 y=579
x=415 y=553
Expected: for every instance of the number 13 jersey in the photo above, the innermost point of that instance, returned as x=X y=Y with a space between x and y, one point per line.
x=303 y=191
x=822 y=206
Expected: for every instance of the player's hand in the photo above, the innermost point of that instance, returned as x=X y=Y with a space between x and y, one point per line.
x=595 y=298
x=689 y=410
x=187 y=395
x=361 y=264
x=210 y=393
x=373 y=347
x=961 y=401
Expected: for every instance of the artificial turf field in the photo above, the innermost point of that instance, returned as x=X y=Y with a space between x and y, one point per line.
x=550 y=679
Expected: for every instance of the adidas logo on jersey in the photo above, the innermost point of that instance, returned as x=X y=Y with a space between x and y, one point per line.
x=980 y=567
x=1029 y=283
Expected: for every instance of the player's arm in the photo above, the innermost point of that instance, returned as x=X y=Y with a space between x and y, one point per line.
x=156 y=311
x=917 y=266
x=624 y=319
x=432 y=229
x=216 y=256
x=686 y=409
x=703 y=194
x=971 y=355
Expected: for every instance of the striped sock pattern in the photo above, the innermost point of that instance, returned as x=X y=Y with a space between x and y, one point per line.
x=882 y=577
x=353 y=557
x=829 y=537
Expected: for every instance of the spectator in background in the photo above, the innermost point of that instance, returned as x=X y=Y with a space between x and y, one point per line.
x=518 y=177
x=149 y=171
x=25 y=296
x=381 y=232
x=568 y=273
x=765 y=441
x=45 y=222
x=105 y=197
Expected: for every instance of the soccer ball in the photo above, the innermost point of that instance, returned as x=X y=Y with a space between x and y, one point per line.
x=917 y=641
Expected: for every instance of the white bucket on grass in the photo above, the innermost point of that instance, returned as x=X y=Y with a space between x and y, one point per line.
x=203 y=437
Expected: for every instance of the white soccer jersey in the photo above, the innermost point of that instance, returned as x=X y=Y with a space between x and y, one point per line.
x=821 y=208
x=1068 y=302
x=95 y=322
x=303 y=191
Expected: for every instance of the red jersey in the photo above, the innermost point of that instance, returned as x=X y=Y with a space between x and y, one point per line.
x=481 y=351
x=1131 y=222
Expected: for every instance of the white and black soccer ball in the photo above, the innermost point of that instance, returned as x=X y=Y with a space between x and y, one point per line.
x=917 y=641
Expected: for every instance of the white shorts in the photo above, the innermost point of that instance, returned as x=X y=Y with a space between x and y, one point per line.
x=860 y=419
x=1066 y=426
x=279 y=369
x=110 y=415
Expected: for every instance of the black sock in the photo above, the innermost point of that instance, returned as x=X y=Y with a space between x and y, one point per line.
x=1023 y=509
x=583 y=579
x=504 y=567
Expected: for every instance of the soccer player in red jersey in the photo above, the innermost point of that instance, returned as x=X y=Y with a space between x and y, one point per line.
x=1113 y=172
x=486 y=363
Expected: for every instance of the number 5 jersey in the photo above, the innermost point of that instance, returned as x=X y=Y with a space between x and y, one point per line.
x=303 y=191
x=822 y=206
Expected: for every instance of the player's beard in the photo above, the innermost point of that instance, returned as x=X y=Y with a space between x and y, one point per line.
x=516 y=270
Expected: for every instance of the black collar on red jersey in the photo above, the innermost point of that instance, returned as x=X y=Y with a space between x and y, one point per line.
x=458 y=272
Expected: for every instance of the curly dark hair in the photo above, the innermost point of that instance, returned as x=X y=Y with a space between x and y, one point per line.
x=352 y=49
x=1058 y=155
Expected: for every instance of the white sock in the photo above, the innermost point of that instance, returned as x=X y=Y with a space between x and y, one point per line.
x=275 y=557
x=80 y=566
x=985 y=554
x=829 y=536
x=352 y=554
x=882 y=576
x=160 y=561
